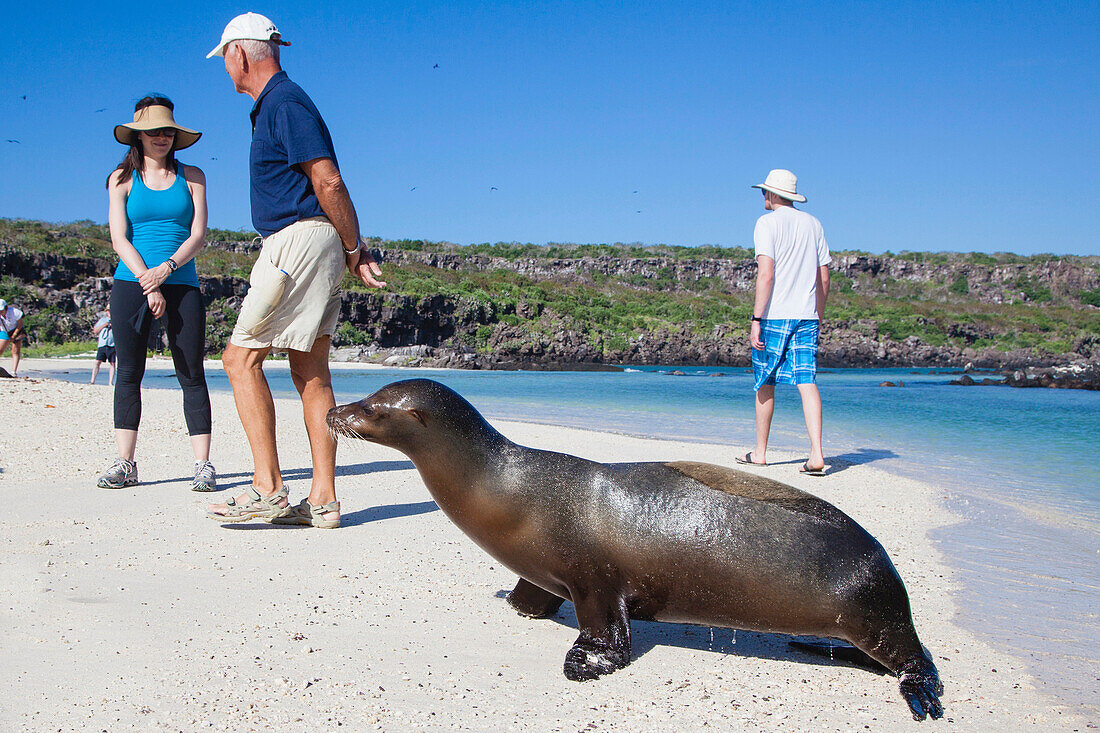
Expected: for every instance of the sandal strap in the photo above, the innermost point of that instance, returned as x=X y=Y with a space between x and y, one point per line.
x=273 y=499
x=317 y=511
x=255 y=499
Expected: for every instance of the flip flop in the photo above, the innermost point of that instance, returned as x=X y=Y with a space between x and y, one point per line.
x=811 y=471
x=747 y=460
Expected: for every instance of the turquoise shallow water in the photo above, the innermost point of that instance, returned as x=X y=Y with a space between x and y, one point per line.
x=1018 y=464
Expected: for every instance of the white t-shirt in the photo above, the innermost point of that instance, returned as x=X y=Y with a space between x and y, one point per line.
x=106 y=336
x=10 y=319
x=796 y=242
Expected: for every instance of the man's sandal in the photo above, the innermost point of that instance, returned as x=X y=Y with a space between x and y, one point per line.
x=313 y=516
x=258 y=507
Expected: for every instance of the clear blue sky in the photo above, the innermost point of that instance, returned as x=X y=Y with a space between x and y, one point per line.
x=911 y=125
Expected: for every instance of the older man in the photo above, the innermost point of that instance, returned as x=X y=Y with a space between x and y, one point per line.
x=792 y=283
x=311 y=234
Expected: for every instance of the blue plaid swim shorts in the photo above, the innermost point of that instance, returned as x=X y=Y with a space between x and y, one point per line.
x=789 y=355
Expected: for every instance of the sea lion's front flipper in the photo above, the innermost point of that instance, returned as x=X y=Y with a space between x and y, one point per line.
x=604 y=643
x=530 y=600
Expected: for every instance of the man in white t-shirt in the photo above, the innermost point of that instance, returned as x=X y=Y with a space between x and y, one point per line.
x=792 y=283
x=11 y=332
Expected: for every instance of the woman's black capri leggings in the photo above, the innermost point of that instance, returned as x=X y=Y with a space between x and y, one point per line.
x=185 y=323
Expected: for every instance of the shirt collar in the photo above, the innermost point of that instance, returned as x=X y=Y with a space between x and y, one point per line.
x=274 y=81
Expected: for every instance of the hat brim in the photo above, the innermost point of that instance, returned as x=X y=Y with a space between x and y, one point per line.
x=219 y=50
x=185 y=138
x=779 y=192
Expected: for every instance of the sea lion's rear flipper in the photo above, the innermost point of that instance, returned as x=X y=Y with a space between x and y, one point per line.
x=921 y=687
x=530 y=600
x=843 y=652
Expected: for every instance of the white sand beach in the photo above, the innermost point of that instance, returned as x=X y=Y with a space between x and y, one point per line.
x=131 y=610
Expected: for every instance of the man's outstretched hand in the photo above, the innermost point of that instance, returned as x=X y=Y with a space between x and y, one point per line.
x=363 y=268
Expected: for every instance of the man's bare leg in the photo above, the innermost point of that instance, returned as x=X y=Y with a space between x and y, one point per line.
x=256 y=408
x=811 y=410
x=310 y=372
x=16 y=355
x=765 y=408
x=95 y=371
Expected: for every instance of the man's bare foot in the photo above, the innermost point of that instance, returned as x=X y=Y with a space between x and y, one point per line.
x=748 y=460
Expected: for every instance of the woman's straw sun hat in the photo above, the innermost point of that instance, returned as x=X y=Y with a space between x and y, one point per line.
x=783 y=183
x=154 y=117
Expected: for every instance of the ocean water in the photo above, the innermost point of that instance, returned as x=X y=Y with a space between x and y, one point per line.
x=1018 y=464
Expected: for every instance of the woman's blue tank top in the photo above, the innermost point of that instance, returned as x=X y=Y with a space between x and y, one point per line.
x=157 y=223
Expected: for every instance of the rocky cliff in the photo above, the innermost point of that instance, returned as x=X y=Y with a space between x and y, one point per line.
x=460 y=307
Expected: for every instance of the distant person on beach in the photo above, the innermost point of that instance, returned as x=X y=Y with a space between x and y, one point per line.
x=792 y=283
x=157 y=220
x=105 y=348
x=302 y=209
x=12 y=333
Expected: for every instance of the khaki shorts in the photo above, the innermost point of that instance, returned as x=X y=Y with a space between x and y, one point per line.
x=294 y=289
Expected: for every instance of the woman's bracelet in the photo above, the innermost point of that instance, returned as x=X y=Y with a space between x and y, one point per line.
x=171 y=264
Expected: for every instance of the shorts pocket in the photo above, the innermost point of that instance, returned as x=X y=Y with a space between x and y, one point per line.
x=267 y=284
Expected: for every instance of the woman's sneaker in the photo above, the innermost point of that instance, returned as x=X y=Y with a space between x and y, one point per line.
x=121 y=474
x=206 y=478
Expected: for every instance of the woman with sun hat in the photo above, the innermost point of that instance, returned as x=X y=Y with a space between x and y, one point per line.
x=157 y=220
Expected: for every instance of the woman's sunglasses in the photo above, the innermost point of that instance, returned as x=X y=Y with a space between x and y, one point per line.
x=162 y=132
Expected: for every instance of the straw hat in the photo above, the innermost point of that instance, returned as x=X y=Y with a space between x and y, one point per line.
x=783 y=183
x=154 y=117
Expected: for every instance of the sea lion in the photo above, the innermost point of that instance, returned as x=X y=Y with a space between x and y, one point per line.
x=680 y=542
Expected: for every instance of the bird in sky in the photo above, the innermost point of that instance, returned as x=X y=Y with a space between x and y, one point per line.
x=436 y=66
x=635 y=192
x=101 y=109
x=413 y=188
x=492 y=188
x=13 y=141
x=24 y=97
x=213 y=158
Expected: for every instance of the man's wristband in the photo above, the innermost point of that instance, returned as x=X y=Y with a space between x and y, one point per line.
x=171 y=264
x=757 y=318
x=351 y=251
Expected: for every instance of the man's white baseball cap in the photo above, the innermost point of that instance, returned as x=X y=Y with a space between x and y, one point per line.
x=248 y=27
x=783 y=183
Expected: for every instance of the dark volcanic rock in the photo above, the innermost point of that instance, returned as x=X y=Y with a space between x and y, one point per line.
x=1071 y=376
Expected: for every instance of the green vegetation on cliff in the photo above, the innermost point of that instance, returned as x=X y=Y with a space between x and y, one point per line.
x=612 y=293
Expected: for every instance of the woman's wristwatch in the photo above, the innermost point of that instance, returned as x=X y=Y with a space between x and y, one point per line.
x=171 y=264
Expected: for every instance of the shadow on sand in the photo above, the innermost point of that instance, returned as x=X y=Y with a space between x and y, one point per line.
x=244 y=478
x=645 y=635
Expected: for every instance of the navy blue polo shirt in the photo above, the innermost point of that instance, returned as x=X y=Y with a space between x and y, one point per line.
x=287 y=130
